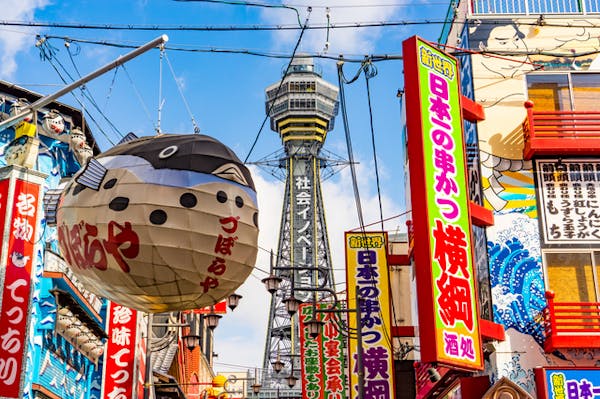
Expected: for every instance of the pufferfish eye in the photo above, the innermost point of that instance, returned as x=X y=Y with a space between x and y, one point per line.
x=230 y=171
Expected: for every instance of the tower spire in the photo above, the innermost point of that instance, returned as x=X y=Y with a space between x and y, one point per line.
x=302 y=107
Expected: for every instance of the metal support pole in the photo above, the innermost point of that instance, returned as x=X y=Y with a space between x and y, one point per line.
x=148 y=372
x=13 y=120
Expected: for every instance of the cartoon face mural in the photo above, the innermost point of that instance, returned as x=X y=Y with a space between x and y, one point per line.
x=161 y=223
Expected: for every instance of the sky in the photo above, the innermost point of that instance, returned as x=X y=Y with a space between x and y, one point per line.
x=215 y=80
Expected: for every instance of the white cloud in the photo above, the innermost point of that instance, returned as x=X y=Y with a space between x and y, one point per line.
x=16 y=39
x=341 y=41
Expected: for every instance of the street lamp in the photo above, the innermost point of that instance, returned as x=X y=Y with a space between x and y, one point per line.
x=292 y=304
x=272 y=283
x=314 y=329
x=233 y=300
x=256 y=385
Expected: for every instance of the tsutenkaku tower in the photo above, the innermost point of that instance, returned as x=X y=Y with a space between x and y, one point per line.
x=302 y=107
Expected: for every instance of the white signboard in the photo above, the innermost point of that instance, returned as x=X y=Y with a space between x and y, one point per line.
x=569 y=203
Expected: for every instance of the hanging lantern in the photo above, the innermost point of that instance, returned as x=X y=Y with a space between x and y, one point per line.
x=53 y=124
x=19 y=105
x=161 y=223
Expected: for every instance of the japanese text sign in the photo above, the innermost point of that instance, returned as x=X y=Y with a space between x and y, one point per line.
x=323 y=357
x=303 y=207
x=367 y=275
x=19 y=234
x=570 y=383
x=448 y=319
x=570 y=200
x=119 y=361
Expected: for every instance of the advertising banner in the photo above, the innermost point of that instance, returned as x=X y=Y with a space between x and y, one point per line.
x=567 y=383
x=448 y=319
x=367 y=275
x=324 y=361
x=119 y=363
x=569 y=193
x=20 y=235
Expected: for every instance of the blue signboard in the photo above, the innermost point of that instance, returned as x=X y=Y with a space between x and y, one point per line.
x=570 y=383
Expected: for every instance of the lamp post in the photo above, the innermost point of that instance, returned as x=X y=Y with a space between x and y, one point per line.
x=314 y=326
x=191 y=340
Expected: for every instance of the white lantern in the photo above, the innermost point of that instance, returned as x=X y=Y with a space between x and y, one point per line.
x=170 y=222
x=53 y=124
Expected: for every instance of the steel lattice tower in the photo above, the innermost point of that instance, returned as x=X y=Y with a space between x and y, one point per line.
x=302 y=107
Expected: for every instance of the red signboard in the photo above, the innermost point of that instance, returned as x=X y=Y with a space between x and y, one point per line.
x=323 y=358
x=218 y=308
x=445 y=276
x=17 y=281
x=119 y=362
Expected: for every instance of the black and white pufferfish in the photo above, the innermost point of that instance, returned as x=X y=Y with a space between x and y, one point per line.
x=161 y=223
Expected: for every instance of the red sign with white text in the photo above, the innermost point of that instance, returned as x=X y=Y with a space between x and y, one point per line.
x=218 y=308
x=119 y=362
x=17 y=281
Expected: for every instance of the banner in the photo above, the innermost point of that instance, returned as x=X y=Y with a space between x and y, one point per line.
x=448 y=318
x=16 y=292
x=367 y=276
x=323 y=357
x=119 y=363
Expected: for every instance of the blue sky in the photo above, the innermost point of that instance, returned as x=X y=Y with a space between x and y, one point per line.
x=225 y=93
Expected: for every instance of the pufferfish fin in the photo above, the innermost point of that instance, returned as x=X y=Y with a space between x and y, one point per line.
x=92 y=175
x=230 y=171
x=128 y=137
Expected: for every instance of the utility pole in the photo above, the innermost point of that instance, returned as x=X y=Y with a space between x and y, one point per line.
x=30 y=109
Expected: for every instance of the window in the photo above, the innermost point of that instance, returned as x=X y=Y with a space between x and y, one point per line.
x=573 y=276
x=567 y=91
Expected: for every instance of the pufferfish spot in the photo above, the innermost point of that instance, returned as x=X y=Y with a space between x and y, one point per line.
x=222 y=197
x=239 y=202
x=188 y=200
x=110 y=184
x=158 y=216
x=119 y=203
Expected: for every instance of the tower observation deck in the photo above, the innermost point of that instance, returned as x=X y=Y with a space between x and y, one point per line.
x=302 y=107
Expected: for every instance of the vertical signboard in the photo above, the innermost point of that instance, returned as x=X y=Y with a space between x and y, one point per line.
x=448 y=320
x=367 y=276
x=119 y=363
x=303 y=227
x=323 y=365
x=20 y=210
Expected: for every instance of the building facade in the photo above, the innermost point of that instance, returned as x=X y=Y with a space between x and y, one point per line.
x=534 y=69
x=53 y=328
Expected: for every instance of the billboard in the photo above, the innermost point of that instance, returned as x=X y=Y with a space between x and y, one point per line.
x=448 y=319
x=367 y=276
x=323 y=357
x=20 y=204
x=119 y=362
x=569 y=192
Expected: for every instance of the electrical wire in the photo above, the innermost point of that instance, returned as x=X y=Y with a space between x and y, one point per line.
x=371 y=72
x=250 y=4
x=287 y=69
x=258 y=27
x=178 y=84
x=47 y=53
x=140 y=98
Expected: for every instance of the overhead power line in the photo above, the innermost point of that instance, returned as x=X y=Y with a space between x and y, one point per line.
x=260 y=27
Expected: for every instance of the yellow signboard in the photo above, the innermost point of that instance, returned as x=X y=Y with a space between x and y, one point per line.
x=367 y=276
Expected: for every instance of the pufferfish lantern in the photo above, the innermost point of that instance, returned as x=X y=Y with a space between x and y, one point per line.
x=161 y=223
